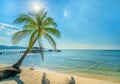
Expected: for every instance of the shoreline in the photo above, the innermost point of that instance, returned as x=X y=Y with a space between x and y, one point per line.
x=34 y=77
x=81 y=74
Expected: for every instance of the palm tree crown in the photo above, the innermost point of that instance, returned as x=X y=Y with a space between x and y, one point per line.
x=37 y=25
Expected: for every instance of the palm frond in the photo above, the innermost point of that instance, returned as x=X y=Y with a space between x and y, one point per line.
x=49 y=22
x=38 y=20
x=53 y=31
x=24 y=18
x=32 y=14
x=41 y=11
x=41 y=15
x=44 y=16
x=18 y=36
x=30 y=26
x=50 y=40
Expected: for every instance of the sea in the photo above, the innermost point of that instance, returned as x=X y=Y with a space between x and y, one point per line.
x=96 y=63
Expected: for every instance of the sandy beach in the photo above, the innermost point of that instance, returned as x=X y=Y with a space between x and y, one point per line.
x=34 y=77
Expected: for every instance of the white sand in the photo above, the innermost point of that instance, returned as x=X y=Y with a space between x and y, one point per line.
x=34 y=77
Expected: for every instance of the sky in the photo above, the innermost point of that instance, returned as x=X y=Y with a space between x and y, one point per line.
x=84 y=24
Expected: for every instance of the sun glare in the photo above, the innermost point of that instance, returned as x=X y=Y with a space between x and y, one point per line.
x=36 y=6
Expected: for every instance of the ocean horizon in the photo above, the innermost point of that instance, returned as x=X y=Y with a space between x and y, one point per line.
x=103 y=63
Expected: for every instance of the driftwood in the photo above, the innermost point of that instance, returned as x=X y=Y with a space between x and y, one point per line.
x=8 y=71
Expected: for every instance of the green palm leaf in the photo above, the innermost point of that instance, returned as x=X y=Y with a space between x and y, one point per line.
x=24 y=18
x=36 y=26
x=38 y=20
x=44 y=16
x=18 y=36
x=30 y=26
x=50 y=40
x=53 y=31
x=49 y=22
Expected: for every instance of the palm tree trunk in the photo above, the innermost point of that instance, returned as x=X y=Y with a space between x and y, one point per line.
x=19 y=62
x=41 y=49
x=11 y=71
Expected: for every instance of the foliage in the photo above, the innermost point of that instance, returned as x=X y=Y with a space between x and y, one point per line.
x=37 y=25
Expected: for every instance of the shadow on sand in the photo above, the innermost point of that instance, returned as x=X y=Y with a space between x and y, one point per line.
x=16 y=79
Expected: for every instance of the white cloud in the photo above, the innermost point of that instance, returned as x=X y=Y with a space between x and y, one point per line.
x=65 y=13
x=10 y=29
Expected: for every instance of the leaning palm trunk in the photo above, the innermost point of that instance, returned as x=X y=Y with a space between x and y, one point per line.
x=11 y=71
x=19 y=62
x=41 y=49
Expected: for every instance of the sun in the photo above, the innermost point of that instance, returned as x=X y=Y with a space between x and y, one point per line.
x=36 y=6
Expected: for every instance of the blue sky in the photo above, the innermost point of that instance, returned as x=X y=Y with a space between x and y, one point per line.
x=84 y=24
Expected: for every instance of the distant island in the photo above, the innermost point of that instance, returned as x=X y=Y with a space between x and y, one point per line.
x=12 y=47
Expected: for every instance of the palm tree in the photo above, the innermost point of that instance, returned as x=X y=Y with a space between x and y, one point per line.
x=37 y=25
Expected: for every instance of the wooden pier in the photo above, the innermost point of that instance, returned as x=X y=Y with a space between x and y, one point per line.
x=20 y=51
x=17 y=51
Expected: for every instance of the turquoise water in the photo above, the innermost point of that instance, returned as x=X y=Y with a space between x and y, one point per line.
x=96 y=62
